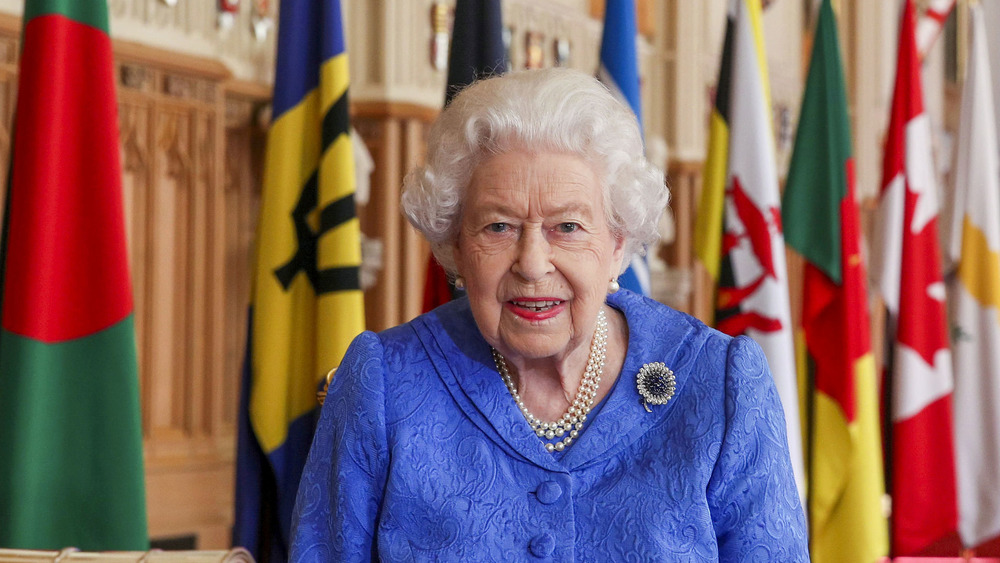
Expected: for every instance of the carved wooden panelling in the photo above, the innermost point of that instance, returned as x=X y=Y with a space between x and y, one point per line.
x=136 y=175
x=395 y=137
x=683 y=289
x=9 y=30
x=245 y=141
x=184 y=222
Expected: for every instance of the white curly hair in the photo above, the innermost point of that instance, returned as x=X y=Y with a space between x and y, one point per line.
x=555 y=110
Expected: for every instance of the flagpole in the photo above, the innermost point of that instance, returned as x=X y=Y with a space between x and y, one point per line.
x=888 y=363
x=810 y=441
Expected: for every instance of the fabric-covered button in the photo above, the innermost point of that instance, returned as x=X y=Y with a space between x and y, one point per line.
x=542 y=545
x=548 y=492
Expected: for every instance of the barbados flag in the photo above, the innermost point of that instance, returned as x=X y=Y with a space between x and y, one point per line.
x=306 y=303
x=619 y=71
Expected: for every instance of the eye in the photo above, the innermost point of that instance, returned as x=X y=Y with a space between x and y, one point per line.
x=566 y=228
x=498 y=227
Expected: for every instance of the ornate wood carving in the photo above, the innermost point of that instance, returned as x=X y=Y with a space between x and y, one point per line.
x=9 y=34
x=684 y=289
x=190 y=193
x=395 y=137
x=240 y=199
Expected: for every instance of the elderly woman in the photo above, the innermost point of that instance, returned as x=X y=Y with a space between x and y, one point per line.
x=549 y=413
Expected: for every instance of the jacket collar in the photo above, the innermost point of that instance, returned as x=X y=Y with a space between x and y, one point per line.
x=464 y=361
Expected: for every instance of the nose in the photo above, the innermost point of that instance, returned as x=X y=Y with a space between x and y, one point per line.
x=534 y=255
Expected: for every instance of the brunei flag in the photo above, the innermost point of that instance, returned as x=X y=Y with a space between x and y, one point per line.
x=306 y=304
x=708 y=223
x=843 y=445
x=70 y=433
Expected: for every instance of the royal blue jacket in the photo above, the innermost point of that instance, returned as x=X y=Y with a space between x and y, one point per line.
x=421 y=454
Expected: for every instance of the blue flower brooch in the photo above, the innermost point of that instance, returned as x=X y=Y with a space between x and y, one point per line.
x=656 y=383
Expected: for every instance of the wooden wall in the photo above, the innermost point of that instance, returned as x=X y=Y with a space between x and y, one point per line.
x=9 y=33
x=394 y=134
x=192 y=147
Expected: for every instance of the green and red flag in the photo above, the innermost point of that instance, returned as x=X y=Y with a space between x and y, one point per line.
x=71 y=471
x=821 y=218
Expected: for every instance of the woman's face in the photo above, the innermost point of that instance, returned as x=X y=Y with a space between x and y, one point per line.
x=536 y=253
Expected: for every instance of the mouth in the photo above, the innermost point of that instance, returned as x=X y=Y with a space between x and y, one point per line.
x=536 y=309
x=536 y=305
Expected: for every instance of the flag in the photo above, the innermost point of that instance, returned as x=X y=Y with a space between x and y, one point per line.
x=71 y=471
x=991 y=19
x=974 y=294
x=708 y=223
x=306 y=303
x=931 y=23
x=477 y=51
x=738 y=229
x=921 y=456
x=822 y=223
x=619 y=71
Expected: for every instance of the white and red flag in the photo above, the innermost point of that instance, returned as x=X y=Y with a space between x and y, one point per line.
x=931 y=23
x=908 y=266
x=752 y=296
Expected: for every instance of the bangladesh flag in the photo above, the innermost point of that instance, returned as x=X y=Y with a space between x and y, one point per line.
x=71 y=464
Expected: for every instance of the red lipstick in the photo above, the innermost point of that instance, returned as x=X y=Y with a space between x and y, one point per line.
x=536 y=308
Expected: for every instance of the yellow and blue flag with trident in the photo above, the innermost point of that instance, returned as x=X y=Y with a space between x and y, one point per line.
x=306 y=302
x=619 y=71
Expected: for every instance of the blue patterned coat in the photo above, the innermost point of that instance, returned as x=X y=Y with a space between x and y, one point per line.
x=421 y=454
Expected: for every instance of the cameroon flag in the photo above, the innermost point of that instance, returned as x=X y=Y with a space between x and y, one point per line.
x=820 y=213
x=70 y=434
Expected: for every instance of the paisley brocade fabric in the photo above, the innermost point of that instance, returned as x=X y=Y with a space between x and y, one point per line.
x=421 y=455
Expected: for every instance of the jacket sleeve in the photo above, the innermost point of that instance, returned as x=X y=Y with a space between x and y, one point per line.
x=342 y=484
x=752 y=496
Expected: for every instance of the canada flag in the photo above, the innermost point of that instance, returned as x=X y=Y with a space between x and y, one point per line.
x=908 y=267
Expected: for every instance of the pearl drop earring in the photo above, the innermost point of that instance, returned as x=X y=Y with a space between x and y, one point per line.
x=613 y=286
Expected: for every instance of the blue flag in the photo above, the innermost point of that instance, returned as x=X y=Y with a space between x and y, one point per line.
x=620 y=72
x=306 y=302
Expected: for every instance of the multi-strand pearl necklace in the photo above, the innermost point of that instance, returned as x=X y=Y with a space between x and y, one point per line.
x=568 y=427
